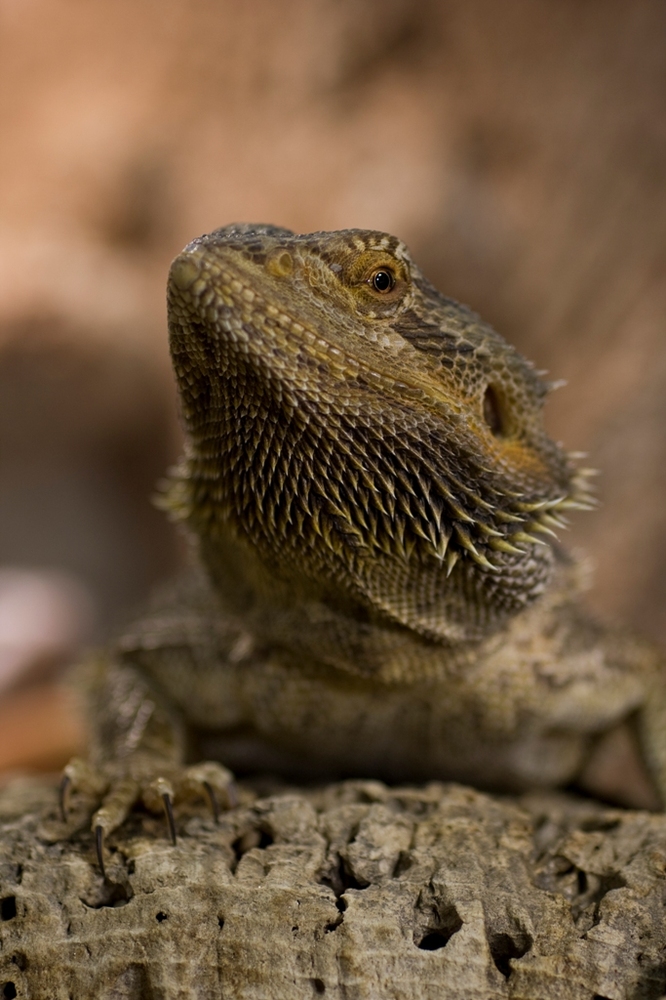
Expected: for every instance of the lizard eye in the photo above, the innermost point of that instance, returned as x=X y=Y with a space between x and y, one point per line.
x=492 y=412
x=382 y=280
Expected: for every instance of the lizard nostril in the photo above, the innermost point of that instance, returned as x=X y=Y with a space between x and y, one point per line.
x=492 y=411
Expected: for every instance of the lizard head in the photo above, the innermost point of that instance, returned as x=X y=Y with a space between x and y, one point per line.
x=364 y=437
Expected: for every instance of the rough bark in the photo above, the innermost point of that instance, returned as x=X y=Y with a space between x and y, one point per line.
x=351 y=891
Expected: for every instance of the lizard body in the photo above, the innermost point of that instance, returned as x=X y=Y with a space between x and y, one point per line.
x=368 y=484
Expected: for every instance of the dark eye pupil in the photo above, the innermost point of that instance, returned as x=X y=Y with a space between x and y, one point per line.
x=382 y=281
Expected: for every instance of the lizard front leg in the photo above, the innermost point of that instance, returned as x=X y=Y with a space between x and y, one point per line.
x=138 y=753
x=630 y=757
x=651 y=721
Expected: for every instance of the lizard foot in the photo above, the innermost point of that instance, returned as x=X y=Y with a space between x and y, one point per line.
x=157 y=787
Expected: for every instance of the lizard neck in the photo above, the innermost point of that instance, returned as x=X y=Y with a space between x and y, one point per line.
x=313 y=628
x=312 y=623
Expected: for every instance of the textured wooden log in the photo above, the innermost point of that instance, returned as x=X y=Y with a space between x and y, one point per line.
x=351 y=891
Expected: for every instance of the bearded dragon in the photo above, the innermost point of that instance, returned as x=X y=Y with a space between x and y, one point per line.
x=372 y=498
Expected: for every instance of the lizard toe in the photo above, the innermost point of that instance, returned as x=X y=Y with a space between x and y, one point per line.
x=212 y=780
x=79 y=776
x=207 y=779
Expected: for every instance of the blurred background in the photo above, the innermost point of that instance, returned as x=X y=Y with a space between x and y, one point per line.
x=518 y=147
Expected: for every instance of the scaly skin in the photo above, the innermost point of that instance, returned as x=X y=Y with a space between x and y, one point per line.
x=371 y=489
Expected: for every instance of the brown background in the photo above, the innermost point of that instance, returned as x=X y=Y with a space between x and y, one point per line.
x=518 y=147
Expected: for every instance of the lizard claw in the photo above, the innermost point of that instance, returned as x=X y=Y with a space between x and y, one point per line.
x=161 y=791
x=168 y=809
x=78 y=776
x=117 y=794
x=63 y=795
x=99 y=848
x=214 y=804
x=230 y=792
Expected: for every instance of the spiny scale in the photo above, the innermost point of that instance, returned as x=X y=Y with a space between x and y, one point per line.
x=385 y=445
